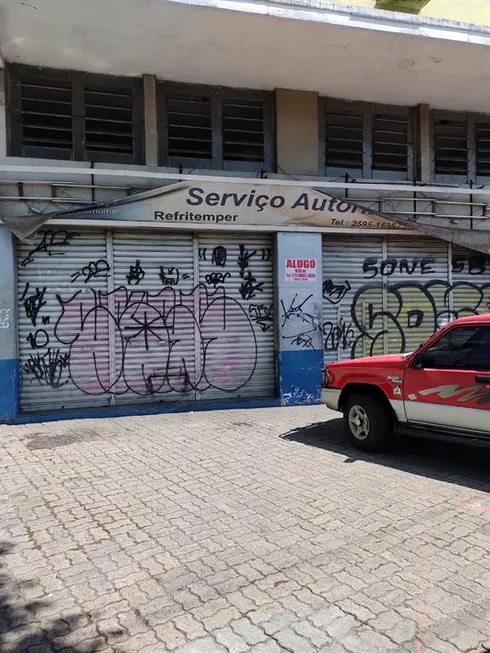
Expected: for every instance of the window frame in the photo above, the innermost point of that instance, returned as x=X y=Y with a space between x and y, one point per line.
x=368 y=110
x=217 y=96
x=417 y=362
x=472 y=120
x=77 y=82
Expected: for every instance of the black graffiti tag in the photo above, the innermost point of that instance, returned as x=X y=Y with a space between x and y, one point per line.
x=296 y=310
x=335 y=293
x=171 y=276
x=219 y=256
x=94 y=270
x=266 y=254
x=244 y=257
x=51 y=243
x=475 y=265
x=216 y=278
x=339 y=335
x=250 y=286
x=261 y=314
x=38 y=339
x=34 y=303
x=300 y=321
x=136 y=274
x=372 y=267
x=47 y=369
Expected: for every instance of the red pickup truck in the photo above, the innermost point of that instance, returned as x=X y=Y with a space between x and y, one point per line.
x=441 y=388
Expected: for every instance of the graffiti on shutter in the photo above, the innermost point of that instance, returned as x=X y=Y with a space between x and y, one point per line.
x=389 y=304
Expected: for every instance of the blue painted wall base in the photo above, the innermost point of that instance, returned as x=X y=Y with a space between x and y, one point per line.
x=9 y=389
x=147 y=409
x=300 y=376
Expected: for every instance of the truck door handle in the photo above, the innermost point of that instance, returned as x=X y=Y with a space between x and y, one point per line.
x=482 y=378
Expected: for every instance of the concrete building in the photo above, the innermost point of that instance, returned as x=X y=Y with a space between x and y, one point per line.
x=202 y=201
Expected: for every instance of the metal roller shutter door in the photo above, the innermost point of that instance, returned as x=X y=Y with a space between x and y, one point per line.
x=124 y=318
x=152 y=301
x=63 y=337
x=349 y=297
x=417 y=274
x=237 y=323
x=470 y=283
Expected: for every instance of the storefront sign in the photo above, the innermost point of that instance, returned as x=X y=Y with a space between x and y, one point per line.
x=301 y=269
x=233 y=204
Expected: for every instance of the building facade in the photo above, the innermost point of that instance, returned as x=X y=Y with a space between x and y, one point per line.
x=202 y=205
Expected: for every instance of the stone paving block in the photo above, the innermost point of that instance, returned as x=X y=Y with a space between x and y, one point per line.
x=315 y=635
x=249 y=631
x=291 y=641
x=232 y=641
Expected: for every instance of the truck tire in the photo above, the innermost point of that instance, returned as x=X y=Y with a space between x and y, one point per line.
x=368 y=422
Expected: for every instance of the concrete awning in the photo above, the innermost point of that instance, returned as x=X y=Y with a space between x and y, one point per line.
x=339 y=51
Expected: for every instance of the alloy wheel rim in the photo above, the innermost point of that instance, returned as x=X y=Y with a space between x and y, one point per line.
x=358 y=422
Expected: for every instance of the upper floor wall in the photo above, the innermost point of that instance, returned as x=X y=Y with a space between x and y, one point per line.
x=77 y=116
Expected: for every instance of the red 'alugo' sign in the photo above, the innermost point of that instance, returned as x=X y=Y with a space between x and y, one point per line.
x=301 y=269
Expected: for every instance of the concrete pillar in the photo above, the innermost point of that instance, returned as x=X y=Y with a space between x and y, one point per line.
x=3 y=116
x=9 y=366
x=299 y=317
x=151 y=134
x=297 y=132
x=423 y=146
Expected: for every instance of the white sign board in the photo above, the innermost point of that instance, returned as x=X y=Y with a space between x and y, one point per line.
x=301 y=269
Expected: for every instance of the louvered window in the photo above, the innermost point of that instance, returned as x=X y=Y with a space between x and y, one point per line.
x=189 y=127
x=366 y=140
x=344 y=139
x=74 y=115
x=390 y=142
x=109 y=120
x=450 y=146
x=214 y=127
x=482 y=146
x=46 y=114
x=461 y=147
x=243 y=130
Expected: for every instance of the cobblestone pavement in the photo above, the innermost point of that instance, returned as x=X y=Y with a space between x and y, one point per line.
x=236 y=531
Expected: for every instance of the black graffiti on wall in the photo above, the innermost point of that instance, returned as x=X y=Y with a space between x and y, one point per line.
x=171 y=276
x=300 y=322
x=155 y=349
x=216 y=279
x=94 y=270
x=335 y=292
x=412 y=312
x=374 y=267
x=261 y=314
x=338 y=335
x=219 y=256
x=47 y=369
x=33 y=303
x=136 y=274
x=39 y=339
x=474 y=264
x=51 y=243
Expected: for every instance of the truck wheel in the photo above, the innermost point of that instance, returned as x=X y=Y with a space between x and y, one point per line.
x=368 y=422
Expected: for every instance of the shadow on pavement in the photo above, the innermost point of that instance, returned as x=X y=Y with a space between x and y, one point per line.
x=462 y=464
x=20 y=626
